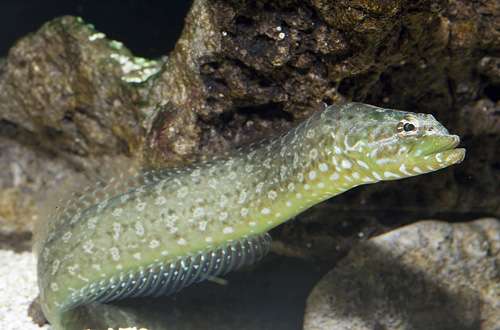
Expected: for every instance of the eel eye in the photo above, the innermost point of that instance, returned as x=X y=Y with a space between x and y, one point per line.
x=408 y=127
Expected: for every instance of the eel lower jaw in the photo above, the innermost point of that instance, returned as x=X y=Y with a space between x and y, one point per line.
x=449 y=157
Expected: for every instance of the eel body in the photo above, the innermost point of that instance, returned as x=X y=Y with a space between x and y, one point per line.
x=155 y=232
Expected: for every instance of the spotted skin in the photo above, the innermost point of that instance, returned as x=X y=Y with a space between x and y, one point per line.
x=180 y=213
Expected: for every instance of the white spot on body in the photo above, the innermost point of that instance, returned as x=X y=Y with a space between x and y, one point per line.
x=321 y=185
x=337 y=150
x=124 y=198
x=115 y=253
x=154 y=244
x=202 y=225
x=312 y=175
x=139 y=229
x=209 y=239
x=334 y=177
x=376 y=175
x=170 y=220
x=227 y=230
x=244 y=211
x=363 y=164
x=223 y=201
x=265 y=211
x=137 y=256
x=291 y=187
x=403 y=170
x=87 y=247
x=299 y=195
x=346 y=164
x=72 y=269
x=295 y=160
x=232 y=175
x=283 y=170
x=418 y=170
x=356 y=175
x=92 y=222
x=117 y=212
x=76 y=217
x=223 y=216
x=183 y=192
x=54 y=287
x=252 y=224
x=323 y=167
x=313 y=154
x=55 y=266
x=160 y=200
x=140 y=206
x=289 y=204
x=307 y=187
x=272 y=195
x=310 y=133
x=117 y=228
x=243 y=196
x=258 y=188
x=198 y=212
x=102 y=206
x=67 y=235
x=212 y=183
x=388 y=174
x=182 y=242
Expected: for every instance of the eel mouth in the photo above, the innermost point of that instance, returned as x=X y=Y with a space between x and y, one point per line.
x=436 y=152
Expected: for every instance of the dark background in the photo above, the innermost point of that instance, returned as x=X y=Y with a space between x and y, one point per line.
x=149 y=28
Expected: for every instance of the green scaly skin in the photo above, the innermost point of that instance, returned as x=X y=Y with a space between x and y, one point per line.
x=338 y=148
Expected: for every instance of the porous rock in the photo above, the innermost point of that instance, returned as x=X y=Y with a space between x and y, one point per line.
x=428 y=275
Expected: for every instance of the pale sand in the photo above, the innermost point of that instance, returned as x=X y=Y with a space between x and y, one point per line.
x=18 y=288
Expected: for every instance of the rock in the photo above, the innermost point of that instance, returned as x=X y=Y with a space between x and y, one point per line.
x=67 y=95
x=70 y=86
x=428 y=275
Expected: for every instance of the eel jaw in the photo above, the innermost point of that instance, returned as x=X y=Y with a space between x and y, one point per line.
x=436 y=152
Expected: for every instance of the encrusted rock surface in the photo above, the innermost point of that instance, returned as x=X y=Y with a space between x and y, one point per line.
x=428 y=275
x=69 y=85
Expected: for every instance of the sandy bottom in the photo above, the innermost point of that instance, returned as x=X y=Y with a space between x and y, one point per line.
x=18 y=288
